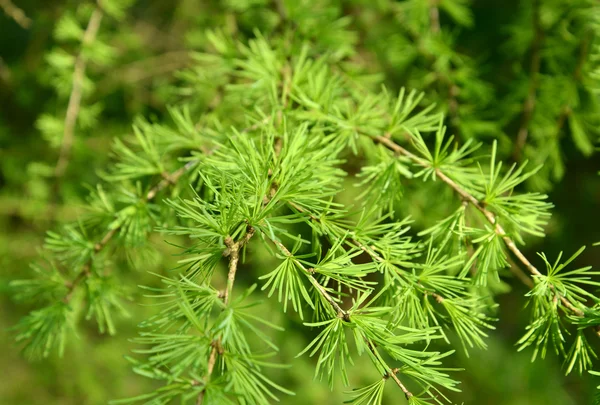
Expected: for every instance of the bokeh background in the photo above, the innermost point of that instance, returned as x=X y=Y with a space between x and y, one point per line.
x=137 y=71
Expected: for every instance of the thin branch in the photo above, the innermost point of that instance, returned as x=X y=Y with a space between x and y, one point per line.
x=15 y=13
x=169 y=179
x=233 y=251
x=367 y=249
x=534 y=72
x=281 y=10
x=100 y=245
x=341 y=313
x=566 y=110
x=510 y=244
x=310 y=273
x=434 y=16
x=212 y=360
x=583 y=52
x=76 y=93
x=142 y=70
x=519 y=273
x=287 y=253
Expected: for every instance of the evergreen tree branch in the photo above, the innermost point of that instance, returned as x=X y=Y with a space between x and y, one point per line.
x=434 y=16
x=76 y=94
x=233 y=251
x=519 y=273
x=212 y=360
x=439 y=298
x=310 y=272
x=15 y=13
x=143 y=70
x=583 y=54
x=566 y=109
x=100 y=245
x=368 y=250
x=491 y=218
x=341 y=313
x=392 y=374
x=534 y=73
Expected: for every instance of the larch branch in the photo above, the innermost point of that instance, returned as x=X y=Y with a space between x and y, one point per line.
x=76 y=93
x=101 y=244
x=15 y=13
x=434 y=16
x=510 y=244
x=534 y=72
x=233 y=251
x=212 y=360
x=341 y=313
x=367 y=249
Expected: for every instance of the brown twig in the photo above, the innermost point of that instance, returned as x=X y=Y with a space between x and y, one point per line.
x=212 y=360
x=281 y=9
x=86 y=270
x=368 y=250
x=519 y=273
x=583 y=51
x=310 y=274
x=341 y=313
x=233 y=251
x=434 y=16
x=534 y=72
x=15 y=13
x=566 y=110
x=510 y=244
x=76 y=93
x=145 y=69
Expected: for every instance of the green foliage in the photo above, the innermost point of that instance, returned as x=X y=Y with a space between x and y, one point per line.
x=283 y=158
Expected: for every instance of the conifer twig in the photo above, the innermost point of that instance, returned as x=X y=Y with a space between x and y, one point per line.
x=445 y=79
x=368 y=250
x=519 y=273
x=233 y=251
x=376 y=257
x=85 y=271
x=510 y=244
x=15 y=13
x=310 y=272
x=74 y=104
x=281 y=10
x=434 y=16
x=341 y=313
x=142 y=70
x=534 y=72
x=212 y=360
x=566 y=110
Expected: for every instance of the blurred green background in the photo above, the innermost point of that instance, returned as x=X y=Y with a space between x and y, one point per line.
x=147 y=46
